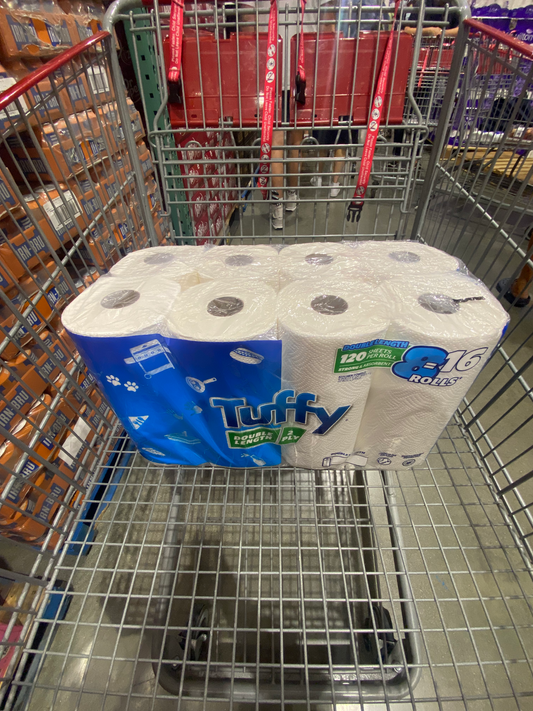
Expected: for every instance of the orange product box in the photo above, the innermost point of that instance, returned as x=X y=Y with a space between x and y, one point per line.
x=19 y=342
x=45 y=365
x=46 y=447
x=8 y=200
x=145 y=158
x=21 y=244
x=90 y=193
x=161 y=230
x=31 y=34
x=96 y=75
x=101 y=246
x=19 y=399
x=72 y=395
x=75 y=501
x=68 y=145
x=87 y=384
x=111 y=116
x=10 y=73
x=41 y=505
x=58 y=213
x=67 y=344
x=32 y=355
x=120 y=225
x=111 y=175
x=70 y=448
x=7 y=280
x=71 y=79
x=37 y=317
x=75 y=444
x=86 y=26
x=13 y=369
x=57 y=294
x=154 y=195
x=49 y=100
x=23 y=341
x=136 y=121
x=50 y=338
x=23 y=430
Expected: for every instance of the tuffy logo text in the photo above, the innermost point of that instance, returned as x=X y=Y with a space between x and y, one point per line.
x=237 y=413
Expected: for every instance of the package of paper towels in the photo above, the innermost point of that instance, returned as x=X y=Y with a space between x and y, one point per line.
x=318 y=322
x=121 y=306
x=255 y=262
x=327 y=373
x=444 y=329
x=192 y=374
x=377 y=261
x=225 y=310
x=317 y=260
x=175 y=263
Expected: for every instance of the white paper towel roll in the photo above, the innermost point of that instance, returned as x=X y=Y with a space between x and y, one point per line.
x=316 y=260
x=409 y=405
x=316 y=320
x=225 y=311
x=175 y=263
x=242 y=262
x=121 y=307
x=379 y=261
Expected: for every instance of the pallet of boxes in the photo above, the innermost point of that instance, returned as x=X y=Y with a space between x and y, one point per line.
x=62 y=149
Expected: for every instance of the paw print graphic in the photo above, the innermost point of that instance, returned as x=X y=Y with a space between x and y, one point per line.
x=113 y=379
x=132 y=387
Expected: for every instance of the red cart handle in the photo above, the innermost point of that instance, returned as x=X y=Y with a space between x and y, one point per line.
x=299 y=93
x=269 y=96
x=176 y=37
x=356 y=206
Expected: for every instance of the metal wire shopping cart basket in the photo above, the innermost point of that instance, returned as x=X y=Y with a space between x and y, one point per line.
x=177 y=585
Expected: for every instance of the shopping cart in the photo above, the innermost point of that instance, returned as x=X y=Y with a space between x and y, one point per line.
x=285 y=586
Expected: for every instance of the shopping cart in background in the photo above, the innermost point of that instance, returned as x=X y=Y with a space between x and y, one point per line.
x=279 y=585
x=221 y=89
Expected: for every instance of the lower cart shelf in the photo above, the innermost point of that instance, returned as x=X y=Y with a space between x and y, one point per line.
x=286 y=586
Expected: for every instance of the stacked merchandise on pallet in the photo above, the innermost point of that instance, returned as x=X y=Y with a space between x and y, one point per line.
x=43 y=29
x=210 y=179
x=68 y=212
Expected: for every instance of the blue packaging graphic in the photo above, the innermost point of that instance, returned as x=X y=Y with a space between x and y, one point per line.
x=183 y=402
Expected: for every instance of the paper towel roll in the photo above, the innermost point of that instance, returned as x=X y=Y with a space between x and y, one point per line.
x=316 y=320
x=242 y=262
x=379 y=261
x=175 y=263
x=225 y=311
x=316 y=260
x=121 y=307
x=410 y=404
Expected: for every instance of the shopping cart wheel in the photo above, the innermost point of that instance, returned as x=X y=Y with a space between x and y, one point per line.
x=385 y=640
x=175 y=647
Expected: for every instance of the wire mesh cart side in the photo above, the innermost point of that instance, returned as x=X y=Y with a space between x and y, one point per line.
x=71 y=205
x=484 y=174
x=284 y=586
